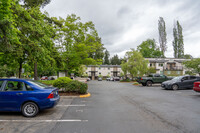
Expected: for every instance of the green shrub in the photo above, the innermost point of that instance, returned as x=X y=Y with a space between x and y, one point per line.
x=62 y=82
x=47 y=82
x=135 y=83
x=77 y=86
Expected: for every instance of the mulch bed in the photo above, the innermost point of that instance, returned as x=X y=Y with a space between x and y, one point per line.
x=61 y=93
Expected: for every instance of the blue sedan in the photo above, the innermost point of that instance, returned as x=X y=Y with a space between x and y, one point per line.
x=26 y=96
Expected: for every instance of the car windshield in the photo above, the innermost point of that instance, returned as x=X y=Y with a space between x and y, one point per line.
x=38 y=84
x=177 y=78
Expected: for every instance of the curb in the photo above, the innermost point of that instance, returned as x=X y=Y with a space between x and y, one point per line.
x=86 y=95
x=81 y=96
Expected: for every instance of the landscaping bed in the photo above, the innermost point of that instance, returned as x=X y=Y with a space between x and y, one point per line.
x=67 y=86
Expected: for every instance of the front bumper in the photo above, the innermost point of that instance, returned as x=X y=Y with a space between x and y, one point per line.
x=166 y=86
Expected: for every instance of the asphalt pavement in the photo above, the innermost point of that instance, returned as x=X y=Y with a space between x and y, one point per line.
x=114 y=107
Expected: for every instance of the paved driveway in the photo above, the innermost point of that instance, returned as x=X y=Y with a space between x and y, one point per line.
x=114 y=108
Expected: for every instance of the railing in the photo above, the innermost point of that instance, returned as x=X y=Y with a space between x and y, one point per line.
x=171 y=68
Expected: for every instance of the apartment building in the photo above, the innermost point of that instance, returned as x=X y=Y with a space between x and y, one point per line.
x=105 y=70
x=168 y=66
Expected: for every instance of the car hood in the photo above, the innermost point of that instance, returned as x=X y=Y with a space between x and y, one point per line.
x=169 y=82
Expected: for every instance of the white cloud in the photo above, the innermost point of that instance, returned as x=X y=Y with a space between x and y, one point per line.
x=125 y=24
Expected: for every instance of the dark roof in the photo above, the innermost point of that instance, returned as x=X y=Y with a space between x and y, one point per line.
x=158 y=61
x=104 y=66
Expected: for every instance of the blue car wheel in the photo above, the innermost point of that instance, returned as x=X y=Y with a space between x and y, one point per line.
x=30 y=109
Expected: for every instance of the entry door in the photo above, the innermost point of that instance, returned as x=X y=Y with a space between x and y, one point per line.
x=93 y=75
x=115 y=74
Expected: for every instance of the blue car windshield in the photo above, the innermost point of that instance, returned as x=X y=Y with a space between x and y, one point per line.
x=38 y=84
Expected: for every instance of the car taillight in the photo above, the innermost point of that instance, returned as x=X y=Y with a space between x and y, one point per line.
x=196 y=84
x=141 y=78
x=51 y=95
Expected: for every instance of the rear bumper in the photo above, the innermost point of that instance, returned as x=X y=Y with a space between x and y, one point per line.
x=197 y=89
x=50 y=103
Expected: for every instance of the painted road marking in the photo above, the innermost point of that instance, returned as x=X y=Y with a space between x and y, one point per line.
x=79 y=110
x=43 y=120
x=73 y=105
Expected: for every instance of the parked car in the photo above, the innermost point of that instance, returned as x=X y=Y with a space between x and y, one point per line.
x=88 y=79
x=99 y=79
x=44 y=78
x=26 y=96
x=111 y=79
x=180 y=82
x=196 y=86
x=116 y=78
x=108 y=79
x=152 y=79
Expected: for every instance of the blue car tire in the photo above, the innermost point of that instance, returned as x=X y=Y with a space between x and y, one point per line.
x=30 y=109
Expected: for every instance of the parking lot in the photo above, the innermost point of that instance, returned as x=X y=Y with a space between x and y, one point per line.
x=114 y=107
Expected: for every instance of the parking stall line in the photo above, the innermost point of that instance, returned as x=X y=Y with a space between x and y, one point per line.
x=49 y=121
x=73 y=105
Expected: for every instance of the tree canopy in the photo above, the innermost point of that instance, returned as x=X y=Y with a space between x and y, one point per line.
x=43 y=45
x=193 y=64
x=149 y=49
x=134 y=63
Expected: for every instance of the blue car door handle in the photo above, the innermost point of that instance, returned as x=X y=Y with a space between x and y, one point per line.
x=19 y=93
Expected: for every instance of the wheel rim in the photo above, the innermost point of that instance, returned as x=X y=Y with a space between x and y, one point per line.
x=30 y=110
x=149 y=83
x=175 y=87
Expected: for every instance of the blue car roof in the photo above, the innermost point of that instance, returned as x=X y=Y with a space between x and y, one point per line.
x=17 y=79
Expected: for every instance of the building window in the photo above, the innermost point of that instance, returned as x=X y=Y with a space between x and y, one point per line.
x=85 y=72
x=99 y=68
x=178 y=72
x=160 y=64
x=99 y=73
x=108 y=68
x=150 y=65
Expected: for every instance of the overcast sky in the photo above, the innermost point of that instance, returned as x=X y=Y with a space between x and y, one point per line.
x=124 y=24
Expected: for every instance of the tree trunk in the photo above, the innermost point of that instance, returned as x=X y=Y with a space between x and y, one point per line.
x=66 y=73
x=35 y=71
x=20 y=69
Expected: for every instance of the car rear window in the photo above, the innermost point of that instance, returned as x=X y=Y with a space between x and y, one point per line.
x=38 y=84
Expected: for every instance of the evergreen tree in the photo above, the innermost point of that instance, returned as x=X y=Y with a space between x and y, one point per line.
x=162 y=35
x=178 y=41
x=115 y=60
x=106 y=58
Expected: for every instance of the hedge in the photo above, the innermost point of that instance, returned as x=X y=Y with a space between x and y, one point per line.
x=76 y=86
x=62 y=82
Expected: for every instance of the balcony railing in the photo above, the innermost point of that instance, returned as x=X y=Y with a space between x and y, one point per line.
x=172 y=68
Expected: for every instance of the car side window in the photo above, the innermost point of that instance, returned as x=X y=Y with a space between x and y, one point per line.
x=192 y=77
x=14 y=86
x=157 y=75
x=185 y=78
x=28 y=87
